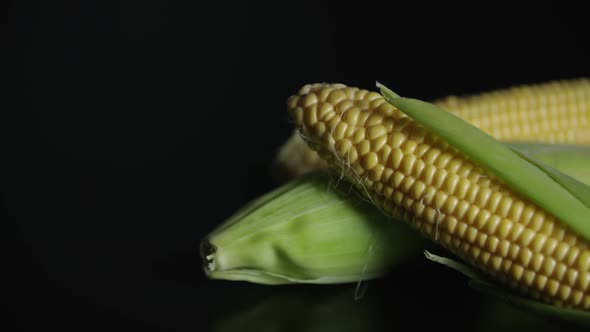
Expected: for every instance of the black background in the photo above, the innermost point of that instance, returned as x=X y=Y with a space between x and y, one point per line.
x=134 y=128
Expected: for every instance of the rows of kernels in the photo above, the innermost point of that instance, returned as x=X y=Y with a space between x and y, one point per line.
x=430 y=185
x=554 y=112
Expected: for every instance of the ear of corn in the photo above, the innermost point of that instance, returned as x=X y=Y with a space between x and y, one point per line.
x=310 y=230
x=552 y=112
x=439 y=187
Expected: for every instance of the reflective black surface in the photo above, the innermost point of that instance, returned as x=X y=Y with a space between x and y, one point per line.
x=133 y=128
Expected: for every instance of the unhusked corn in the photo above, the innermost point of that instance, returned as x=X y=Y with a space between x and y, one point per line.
x=410 y=173
x=552 y=112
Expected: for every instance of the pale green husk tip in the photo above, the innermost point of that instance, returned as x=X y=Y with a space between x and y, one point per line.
x=314 y=229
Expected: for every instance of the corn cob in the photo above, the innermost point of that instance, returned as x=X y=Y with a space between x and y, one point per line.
x=553 y=112
x=412 y=174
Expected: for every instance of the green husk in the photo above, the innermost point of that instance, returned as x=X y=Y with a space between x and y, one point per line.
x=314 y=229
x=562 y=196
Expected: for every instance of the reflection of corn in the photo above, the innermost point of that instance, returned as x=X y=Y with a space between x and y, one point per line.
x=410 y=173
x=554 y=112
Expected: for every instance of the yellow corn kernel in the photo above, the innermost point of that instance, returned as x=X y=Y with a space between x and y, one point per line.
x=553 y=112
x=472 y=214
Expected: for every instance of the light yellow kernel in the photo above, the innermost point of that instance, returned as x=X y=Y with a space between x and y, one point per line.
x=450 y=183
x=516 y=210
x=421 y=149
x=309 y=100
x=482 y=196
x=372 y=96
x=342 y=147
x=461 y=229
x=407 y=184
x=583 y=280
x=560 y=270
x=439 y=177
x=471 y=234
x=385 y=109
x=504 y=206
x=396 y=139
x=364 y=147
x=351 y=116
x=450 y=224
x=376 y=131
x=450 y=205
x=548 y=266
x=333 y=122
x=385 y=151
x=472 y=213
x=409 y=147
x=418 y=168
x=387 y=173
x=494 y=201
x=359 y=171
x=537 y=222
x=504 y=228
x=525 y=256
x=584 y=261
x=561 y=251
x=550 y=245
x=378 y=143
x=462 y=209
x=418 y=190
x=387 y=192
x=310 y=118
x=407 y=164
x=429 y=215
x=336 y=96
x=492 y=244
x=397 y=179
x=396 y=158
x=319 y=129
x=492 y=224
x=515 y=232
x=352 y=155
x=376 y=173
x=513 y=252
x=340 y=130
x=358 y=136
x=571 y=275
x=482 y=218
x=577 y=297
x=503 y=248
x=529 y=277
x=496 y=263
x=297 y=115
x=526 y=237
x=440 y=199
x=541 y=281
x=443 y=159
x=428 y=173
x=516 y=271
x=537 y=261
x=474 y=252
x=431 y=156
x=325 y=108
x=370 y=160
x=552 y=287
x=374 y=119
